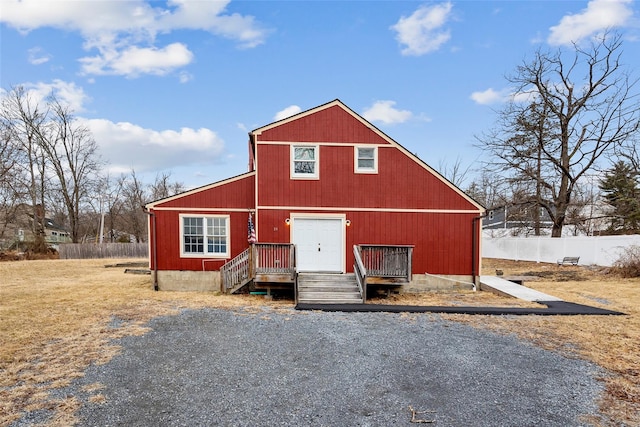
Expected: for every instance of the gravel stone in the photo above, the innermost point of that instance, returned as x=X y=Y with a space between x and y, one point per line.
x=216 y=367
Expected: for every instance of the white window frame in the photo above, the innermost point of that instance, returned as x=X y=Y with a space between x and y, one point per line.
x=316 y=160
x=205 y=253
x=356 y=157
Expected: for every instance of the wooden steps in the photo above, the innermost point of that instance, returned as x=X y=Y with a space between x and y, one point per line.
x=314 y=288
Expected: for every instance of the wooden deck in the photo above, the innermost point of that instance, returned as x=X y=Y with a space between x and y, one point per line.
x=273 y=266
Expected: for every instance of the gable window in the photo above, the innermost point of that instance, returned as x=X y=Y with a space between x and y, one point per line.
x=206 y=235
x=366 y=160
x=304 y=161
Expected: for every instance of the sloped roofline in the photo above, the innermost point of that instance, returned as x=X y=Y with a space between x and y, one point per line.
x=254 y=134
x=153 y=204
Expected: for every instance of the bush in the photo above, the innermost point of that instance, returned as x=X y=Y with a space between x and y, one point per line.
x=628 y=263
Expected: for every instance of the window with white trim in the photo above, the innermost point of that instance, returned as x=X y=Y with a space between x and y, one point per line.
x=204 y=236
x=304 y=161
x=366 y=159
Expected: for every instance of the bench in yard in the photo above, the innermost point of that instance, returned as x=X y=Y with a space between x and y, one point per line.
x=569 y=260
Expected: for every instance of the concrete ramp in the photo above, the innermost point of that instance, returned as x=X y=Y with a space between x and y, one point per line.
x=505 y=287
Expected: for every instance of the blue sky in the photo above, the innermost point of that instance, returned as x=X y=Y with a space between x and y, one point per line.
x=175 y=86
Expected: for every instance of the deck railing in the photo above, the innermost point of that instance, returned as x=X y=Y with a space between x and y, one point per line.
x=387 y=260
x=360 y=272
x=274 y=258
x=265 y=259
x=236 y=271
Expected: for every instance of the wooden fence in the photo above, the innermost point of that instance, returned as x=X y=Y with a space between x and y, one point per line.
x=104 y=250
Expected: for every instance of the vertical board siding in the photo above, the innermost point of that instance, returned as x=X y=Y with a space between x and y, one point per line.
x=238 y=194
x=168 y=227
x=332 y=124
x=442 y=242
x=235 y=194
x=400 y=183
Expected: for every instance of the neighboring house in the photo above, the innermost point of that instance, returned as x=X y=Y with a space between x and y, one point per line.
x=515 y=217
x=518 y=220
x=325 y=190
x=17 y=232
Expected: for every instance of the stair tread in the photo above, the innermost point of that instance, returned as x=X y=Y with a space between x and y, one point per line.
x=328 y=289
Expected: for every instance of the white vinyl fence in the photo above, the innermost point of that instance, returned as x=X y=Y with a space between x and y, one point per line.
x=599 y=250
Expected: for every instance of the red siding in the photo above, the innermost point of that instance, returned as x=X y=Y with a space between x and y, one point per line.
x=401 y=182
x=168 y=228
x=237 y=194
x=442 y=241
x=333 y=124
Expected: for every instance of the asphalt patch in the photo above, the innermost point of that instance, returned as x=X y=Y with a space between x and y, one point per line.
x=554 y=308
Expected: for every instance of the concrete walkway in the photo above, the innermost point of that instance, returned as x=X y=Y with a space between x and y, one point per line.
x=504 y=287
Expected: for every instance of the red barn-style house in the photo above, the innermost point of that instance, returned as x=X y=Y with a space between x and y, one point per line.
x=326 y=192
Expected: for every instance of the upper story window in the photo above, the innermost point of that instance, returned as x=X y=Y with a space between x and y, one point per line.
x=206 y=235
x=304 y=161
x=366 y=160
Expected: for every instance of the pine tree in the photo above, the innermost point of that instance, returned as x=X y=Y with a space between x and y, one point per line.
x=620 y=188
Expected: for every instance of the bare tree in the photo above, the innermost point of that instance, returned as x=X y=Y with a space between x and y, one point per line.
x=580 y=107
x=456 y=173
x=73 y=158
x=9 y=176
x=488 y=189
x=163 y=187
x=21 y=118
x=133 y=198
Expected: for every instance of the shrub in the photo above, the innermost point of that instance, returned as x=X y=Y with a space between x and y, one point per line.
x=628 y=263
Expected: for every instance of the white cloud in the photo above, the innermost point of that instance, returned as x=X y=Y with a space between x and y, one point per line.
x=422 y=32
x=125 y=146
x=598 y=16
x=185 y=77
x=133 y=61
x=119 y=28
x=37 y=56
x=384 y=111
x=68 y=93
x=287 y=112
x=492 y=96
x=489 y=96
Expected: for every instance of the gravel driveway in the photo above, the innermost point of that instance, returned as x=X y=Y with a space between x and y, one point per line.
x=223 y=368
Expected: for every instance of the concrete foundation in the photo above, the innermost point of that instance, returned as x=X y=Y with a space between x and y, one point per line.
x=444 y=283
x=209 y=281
x=189 y=281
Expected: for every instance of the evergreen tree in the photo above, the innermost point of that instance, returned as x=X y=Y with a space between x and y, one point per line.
x=620 y=188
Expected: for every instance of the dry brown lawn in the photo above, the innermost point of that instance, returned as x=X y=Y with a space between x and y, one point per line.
x=58 y=317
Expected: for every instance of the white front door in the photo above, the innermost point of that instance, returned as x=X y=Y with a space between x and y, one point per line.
x=319 y=244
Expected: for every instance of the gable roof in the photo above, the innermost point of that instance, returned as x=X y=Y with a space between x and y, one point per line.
x=255 y=134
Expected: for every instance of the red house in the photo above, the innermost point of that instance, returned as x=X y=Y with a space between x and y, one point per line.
x=326 y=192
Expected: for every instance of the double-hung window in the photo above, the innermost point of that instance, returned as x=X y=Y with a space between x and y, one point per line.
x=204 y=236
x=304 y=161
x=366 y=159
